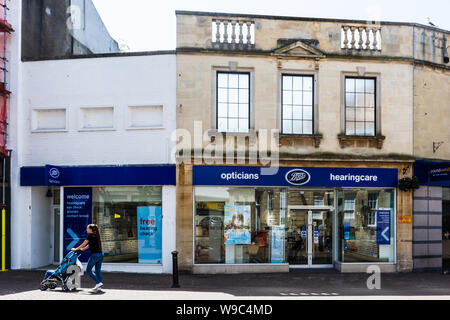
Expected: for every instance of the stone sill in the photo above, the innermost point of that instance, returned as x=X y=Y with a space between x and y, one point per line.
x=355 y=267
x=240 y=268
x=305 y=139
x=361 y=141
x=213 y=133
x=233 y=46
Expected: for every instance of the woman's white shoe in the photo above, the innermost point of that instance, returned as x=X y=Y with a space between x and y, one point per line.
x=98 y=286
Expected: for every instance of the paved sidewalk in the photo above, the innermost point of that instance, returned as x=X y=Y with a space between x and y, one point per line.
x=17 y=285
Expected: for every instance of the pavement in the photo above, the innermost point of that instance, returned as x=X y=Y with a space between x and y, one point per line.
x=24 y=285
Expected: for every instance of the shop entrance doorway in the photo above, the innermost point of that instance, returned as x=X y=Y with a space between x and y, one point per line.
x=55 y=237
x=309 y=237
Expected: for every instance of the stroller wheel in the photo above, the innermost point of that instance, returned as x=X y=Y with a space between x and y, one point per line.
x=53 y=286
x=43 y=287
x=65 y=288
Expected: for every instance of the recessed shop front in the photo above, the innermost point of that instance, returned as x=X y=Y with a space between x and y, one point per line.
x=297 y=218
x=132 y=205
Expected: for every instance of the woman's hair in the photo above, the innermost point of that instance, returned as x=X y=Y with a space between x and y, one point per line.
x=237 y=216
x=96 y=232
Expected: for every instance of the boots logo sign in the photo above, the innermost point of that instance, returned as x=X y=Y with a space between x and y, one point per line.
x=54 y=173
x=298 y=177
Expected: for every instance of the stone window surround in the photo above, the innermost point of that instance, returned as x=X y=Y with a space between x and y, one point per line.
x=299 y=72
x=315 y=138
x=232 y=67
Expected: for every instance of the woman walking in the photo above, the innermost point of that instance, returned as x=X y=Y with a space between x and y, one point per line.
x=94 y=243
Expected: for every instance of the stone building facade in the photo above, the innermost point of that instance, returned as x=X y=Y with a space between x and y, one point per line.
x=315 y=97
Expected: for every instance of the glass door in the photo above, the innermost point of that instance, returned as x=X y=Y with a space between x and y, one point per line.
x=309 y=237
x=297 y=237
x=322 y=253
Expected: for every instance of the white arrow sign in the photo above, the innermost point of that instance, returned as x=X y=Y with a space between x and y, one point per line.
x=74 y=237
x=383 y=234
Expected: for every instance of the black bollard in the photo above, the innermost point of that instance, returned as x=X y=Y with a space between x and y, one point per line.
x=175 y=269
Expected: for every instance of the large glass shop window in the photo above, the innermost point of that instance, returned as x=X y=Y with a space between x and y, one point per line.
x=366 y=225
x=129 y=219
x=239 y=225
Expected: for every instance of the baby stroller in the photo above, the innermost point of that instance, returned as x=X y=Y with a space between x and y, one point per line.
x=52 y=277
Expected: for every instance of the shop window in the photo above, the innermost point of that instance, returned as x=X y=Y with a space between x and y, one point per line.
x=362 y=238
x=446 y=229
x=239 y=225
x=373 y=204
x=297 y=104
x=302 y=197
x=122 y=216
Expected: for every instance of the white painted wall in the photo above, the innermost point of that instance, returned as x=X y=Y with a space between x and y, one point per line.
x=117 y=82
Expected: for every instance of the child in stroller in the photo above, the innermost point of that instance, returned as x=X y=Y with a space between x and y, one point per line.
x=52 y=277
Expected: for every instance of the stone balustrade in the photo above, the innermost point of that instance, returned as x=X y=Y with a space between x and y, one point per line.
x=233 y=31
x=361 y=37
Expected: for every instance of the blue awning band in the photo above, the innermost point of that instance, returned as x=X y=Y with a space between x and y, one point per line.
x=156 y=175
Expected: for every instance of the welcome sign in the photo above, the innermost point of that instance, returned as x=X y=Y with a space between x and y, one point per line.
x=295 y=176
x=77 y=216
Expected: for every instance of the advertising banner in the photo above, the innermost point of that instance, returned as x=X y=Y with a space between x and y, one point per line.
x=289 y=176
x=277 y=250
x=77 y=216
x=237 y=224
x=383 y=226
x=149 y=221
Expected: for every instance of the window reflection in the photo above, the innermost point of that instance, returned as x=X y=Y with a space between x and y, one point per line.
x=358 y=225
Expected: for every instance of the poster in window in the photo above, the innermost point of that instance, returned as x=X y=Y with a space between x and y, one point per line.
x=77 y=215
x=149 y=220
x=383 y=227
x=237 y=224
x=277 y=250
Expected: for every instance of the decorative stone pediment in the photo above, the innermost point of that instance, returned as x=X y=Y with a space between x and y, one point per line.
x=299 y=49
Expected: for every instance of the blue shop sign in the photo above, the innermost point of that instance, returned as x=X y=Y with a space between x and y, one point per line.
x=52 y=175
x=432 y=173
x=293 y=176
x=157 y=175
